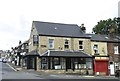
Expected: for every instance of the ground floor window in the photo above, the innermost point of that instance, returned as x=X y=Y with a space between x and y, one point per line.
x=56 y=63
x=66 y=63
x=89 y=63
x=52 y=63
x=44 y=63
x=24 y=62
x=80 y=63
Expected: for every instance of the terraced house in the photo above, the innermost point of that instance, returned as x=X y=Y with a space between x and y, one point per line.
x=56 y=47
x=106 y=51
x=100 y=53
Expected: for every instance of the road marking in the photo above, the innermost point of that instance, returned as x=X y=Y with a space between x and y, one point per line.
x=89 y=76
x=11 y=67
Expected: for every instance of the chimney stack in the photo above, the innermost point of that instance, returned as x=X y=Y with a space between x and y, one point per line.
x=83 y=28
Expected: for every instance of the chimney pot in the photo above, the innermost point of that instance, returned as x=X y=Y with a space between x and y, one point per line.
x=83 y=28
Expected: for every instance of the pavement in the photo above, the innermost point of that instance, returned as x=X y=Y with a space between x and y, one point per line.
x=19 y=68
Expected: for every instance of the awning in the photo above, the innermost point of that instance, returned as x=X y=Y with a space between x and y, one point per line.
x=54 y=53
x=32 y=53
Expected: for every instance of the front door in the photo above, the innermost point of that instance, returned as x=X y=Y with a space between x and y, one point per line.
x=68 y=63
x=31 y=64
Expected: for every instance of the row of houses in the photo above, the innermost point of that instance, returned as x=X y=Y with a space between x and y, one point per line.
x=66 y=48
x=5 y=55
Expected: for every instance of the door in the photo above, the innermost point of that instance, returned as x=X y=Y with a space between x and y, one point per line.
x=31 y=63
x=101 y=66
x=112 y=69
x=68 y=63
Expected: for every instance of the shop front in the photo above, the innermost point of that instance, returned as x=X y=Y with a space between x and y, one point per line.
x=101 y=67
x=67 y=61
x=30 y=60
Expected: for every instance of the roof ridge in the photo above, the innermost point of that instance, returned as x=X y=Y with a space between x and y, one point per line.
x=55 y=23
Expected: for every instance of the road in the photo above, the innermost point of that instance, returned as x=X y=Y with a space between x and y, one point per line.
x=0 y=71
x=8 y=74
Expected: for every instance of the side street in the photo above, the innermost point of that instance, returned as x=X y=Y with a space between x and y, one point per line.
x=66 y=49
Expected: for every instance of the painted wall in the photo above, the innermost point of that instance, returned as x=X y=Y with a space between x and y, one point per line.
x=102 y=49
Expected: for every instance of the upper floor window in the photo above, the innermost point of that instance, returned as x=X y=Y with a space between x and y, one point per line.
x=116 y=50
x=80 y=45
x=66 y=45
x=35 y=40
x=51 y=43
x=95 y=48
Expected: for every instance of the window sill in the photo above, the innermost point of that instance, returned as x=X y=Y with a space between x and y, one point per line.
x=81 y=49
x=51 y=49
x=116 y=53
x=96 y=54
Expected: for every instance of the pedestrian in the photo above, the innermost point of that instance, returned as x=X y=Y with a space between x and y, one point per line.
x=15 y=61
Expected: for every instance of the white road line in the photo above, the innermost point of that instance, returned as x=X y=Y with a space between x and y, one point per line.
x=11 y=67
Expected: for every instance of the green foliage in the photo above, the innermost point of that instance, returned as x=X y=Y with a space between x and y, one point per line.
x=109 y=26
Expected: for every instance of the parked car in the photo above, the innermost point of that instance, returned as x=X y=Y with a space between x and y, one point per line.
x=4 y=60
x=117 y=73
x=0 y=60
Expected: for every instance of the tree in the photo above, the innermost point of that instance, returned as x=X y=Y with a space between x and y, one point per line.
x=118 y=24
x=109 y=26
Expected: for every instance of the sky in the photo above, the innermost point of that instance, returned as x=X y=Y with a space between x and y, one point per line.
x=16 y=16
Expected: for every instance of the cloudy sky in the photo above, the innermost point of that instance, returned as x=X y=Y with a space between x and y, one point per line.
x=16 y=16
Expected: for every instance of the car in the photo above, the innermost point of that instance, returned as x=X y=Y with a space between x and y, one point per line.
x=0 y=60
x=117 y=73
x=4 y=60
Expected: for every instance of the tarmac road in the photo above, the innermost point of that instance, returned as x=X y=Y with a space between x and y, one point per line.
x=9 y=74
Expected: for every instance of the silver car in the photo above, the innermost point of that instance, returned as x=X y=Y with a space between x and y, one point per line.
x=4 y=60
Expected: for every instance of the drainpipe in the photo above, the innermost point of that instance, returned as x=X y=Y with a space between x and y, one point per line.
x=93 y=61
x=119 y=62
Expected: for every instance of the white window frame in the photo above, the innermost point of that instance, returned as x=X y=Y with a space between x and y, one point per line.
x=51 y=44
x=66 y=44
x=116 y=50
x=96 y=48
x=35 y=40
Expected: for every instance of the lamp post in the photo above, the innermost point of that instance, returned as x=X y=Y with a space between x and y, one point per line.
x=15 y=52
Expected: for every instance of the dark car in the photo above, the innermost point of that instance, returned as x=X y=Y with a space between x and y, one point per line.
x=117 y=73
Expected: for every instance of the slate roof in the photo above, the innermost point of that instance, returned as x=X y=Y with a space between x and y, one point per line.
x=32 y=53
x=104 y=38
x=58 y=29
x=54 y=53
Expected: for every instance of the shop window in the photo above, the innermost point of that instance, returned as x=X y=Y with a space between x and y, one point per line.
x=80 y=63
x=89 y=63
x=56 y=63
x=63 y=63
x=44 y=63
